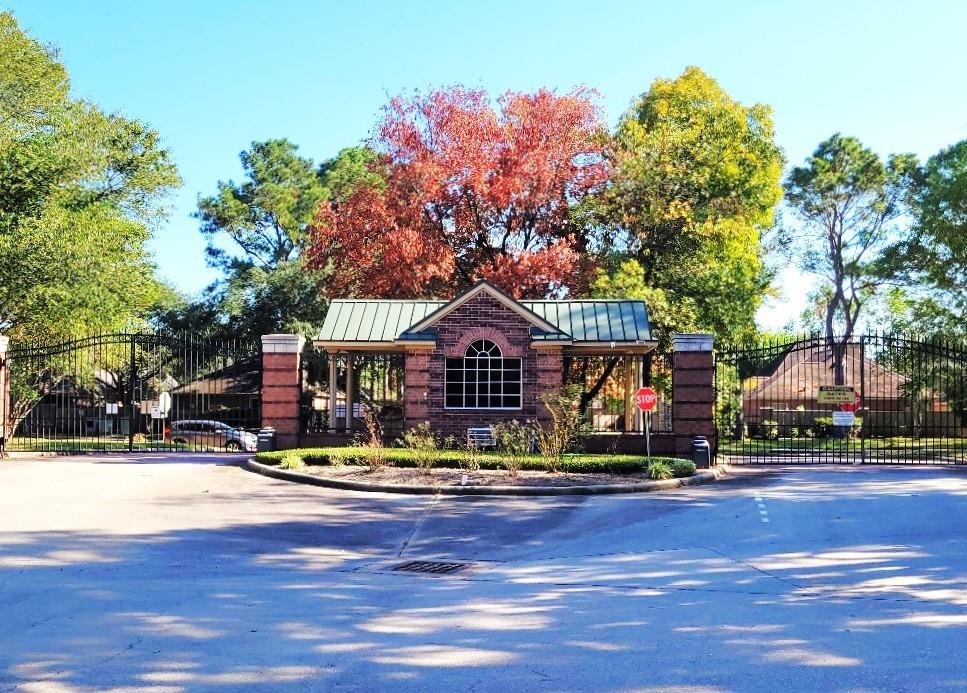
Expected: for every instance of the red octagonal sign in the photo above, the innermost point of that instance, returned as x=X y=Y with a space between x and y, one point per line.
x=646 y=398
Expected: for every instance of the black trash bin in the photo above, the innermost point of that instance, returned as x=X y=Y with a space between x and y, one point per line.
x=266 y=440
x=701 y=452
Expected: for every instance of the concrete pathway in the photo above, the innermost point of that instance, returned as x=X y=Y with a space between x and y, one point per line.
x=162 y=573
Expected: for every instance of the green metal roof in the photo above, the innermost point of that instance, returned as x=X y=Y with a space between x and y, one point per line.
x=373 y=320
x=596 y=320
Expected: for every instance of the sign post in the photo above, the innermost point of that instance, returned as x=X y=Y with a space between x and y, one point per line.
x=647 y=399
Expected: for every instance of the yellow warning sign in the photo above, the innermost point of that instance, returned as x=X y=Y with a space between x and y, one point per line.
x=836 y=394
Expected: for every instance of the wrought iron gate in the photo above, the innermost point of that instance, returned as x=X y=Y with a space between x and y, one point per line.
x=134 y=391
x=866 y=399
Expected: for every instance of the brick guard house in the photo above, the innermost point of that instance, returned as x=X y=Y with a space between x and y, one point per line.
x=483 y=358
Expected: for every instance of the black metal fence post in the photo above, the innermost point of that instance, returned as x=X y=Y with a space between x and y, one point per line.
x=131 y=376
x=865 y=422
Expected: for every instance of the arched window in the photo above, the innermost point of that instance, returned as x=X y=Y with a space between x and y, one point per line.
x=483 y=379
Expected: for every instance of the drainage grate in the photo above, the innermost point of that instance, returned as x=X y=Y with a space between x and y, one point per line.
x=430 y=567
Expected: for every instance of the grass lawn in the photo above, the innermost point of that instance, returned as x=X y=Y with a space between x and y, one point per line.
x=89 y=444
x=898 y=444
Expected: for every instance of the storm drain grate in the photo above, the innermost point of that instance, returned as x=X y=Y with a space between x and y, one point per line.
x=430 y=567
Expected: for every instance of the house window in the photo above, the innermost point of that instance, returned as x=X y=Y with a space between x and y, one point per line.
x=483 y=379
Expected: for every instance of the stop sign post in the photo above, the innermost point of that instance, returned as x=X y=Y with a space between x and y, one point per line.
x=647 y=399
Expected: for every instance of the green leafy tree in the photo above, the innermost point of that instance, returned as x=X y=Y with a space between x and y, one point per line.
x=267 y=286
x=930 y=260
x=80 y=192
x=847 y=199
x=694 y=187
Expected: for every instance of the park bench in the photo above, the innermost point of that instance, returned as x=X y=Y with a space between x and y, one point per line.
x=481 y=437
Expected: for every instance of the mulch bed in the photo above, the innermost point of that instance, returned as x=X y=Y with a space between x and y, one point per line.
x=452 y=477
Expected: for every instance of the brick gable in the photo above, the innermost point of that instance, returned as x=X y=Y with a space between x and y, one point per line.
x=482 y=317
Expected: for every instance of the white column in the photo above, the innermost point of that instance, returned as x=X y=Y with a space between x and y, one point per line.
x=349 y=392
x=333 y=390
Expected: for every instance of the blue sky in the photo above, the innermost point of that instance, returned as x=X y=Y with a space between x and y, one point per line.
x=213 y=76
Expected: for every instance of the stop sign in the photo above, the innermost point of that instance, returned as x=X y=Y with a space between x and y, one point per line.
x=646 y=398
x=852 y=406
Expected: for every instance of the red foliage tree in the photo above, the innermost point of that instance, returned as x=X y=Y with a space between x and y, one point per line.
x=468 y=193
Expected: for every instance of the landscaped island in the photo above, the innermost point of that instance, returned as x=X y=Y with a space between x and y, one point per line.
x=473 y=468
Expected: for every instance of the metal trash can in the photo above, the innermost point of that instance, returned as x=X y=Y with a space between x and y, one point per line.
x=701 y=452
x=266 y=441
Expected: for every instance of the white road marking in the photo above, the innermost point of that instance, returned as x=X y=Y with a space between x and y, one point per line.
x=763 y=513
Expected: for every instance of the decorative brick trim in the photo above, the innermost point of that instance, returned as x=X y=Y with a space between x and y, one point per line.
x=459 y=349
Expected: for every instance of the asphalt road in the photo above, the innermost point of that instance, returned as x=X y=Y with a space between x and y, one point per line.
x=167 y=574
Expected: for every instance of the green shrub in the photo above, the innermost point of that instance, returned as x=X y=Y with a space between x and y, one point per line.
x=659 y=470
x=338 y=456
x=471 y=462
x=567 y=427
x=375 y=457
x=581 y=463
x=514 y=442
x=682 y=468
x=769 y=429
x=422 y=440
x=823 y=426
x=291 y=460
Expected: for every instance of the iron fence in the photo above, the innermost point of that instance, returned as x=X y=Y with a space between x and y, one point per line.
x=874 y=398
x=134 y=391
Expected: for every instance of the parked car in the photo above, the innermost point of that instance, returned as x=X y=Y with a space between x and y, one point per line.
x=210 y=435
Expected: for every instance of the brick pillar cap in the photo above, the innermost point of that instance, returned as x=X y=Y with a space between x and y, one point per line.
x=283 y=343
x=693 y=342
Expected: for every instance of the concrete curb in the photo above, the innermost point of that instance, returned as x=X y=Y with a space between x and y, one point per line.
x=604 y=489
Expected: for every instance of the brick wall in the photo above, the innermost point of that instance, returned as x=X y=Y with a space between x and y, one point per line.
x=483 y=317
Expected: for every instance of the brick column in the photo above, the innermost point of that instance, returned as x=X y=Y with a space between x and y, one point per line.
x=693 y=391
x=550 y=377
x=282 y=387
x=416 y=387
x=4 y=393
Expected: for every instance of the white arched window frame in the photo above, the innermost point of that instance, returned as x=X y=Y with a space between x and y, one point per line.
x=483 y=379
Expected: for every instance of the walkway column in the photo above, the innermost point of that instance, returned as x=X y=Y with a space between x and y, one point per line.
x=416 y=387
x=639 y=382
x=4 y=393
x=333 y=391
x=630 y=391
x=693 y=391
x=282 y=387
x=550 y=377
x=349 y=392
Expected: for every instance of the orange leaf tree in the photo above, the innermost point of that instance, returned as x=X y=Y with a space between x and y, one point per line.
x=468 y=192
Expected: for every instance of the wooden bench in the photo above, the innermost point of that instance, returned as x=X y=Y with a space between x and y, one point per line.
x=481 y=437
